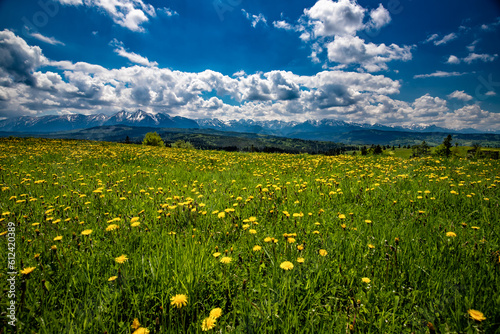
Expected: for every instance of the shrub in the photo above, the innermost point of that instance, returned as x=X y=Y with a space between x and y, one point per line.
x=153 y=139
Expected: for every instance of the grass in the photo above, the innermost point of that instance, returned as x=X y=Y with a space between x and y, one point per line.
x=382 y=220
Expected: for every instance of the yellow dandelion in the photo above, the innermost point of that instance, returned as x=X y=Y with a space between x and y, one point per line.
x=216 y=254
x=86 y=232
x=135 y=224
x=290 y=240
x=476 y=315
x=216 y=313
x=28 y=270
x=141 y=330
x=252 y=231
x=475 y=227
x=58 y=238
x=323 y=252
x=135 y=323
x=300 y=247
x=268 y=239
x=112 y=278
x=371 y=246
x=366 y=280
x=121 y=259
x=226 y=259
x=451 y=234
x=221 y=215
x=179 y=300
x=342 y=216
x=112 y=227
x=300 y=260
x=256 y=248
x=208 y=324
x=287 y=265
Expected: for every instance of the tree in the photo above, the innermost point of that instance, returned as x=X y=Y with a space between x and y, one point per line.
x=182 y=144
x=364 y=150
x=153 y=139
x=421 y=149
x=127 y=140
x=445 y=148
x=377 y=150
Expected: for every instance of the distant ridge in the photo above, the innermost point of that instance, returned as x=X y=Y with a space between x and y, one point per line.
x=324 y=129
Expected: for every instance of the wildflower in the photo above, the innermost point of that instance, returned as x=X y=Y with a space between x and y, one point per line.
x=27 y=271
x=366 y=280
x=221 y=215
x=300 y=260
x=287 y=265
x=112 y=227
x=451 y=234
x=342 y=216
x=135 y=224
x=252 y=231
x=256 y=248
x=58 y=238
x=300 y=247
x=86 y=232
x=179 y=300
x=267 y=239
x=208 y=324
x=141 y=330
x=135 y=324
x=111 y=279
x=53 y=247
x=371 y=246
x=368 y=221
x=474 y=227
x=323 y=252
x=476 y=315
x=226 y=259
x=216 y=313
x=290 y=240
x=121 y=259
x=216 y=254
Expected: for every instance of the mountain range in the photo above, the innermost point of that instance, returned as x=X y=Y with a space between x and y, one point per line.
x=325 y=129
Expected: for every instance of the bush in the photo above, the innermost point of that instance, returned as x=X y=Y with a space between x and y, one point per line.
x=182 y=144
x=153 y=139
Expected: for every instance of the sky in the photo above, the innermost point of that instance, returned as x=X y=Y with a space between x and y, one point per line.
x=391 y=62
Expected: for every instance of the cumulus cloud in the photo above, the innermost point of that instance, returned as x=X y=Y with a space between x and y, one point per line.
x=372 y=57
x=49 y=40
x=379 y=17
x=130 y=14
x=460 y=95
x=88 y=89
x=329 y=18
x=18 y=60
x=453 y=60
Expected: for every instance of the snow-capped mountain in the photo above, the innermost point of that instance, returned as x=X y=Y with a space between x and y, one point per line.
x=54 y=123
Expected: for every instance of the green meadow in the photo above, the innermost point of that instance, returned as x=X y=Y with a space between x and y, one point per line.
x=114 y=238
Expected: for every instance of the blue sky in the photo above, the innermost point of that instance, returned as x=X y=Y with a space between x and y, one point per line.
x=394 y=62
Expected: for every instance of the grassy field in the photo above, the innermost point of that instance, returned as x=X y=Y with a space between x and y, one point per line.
x=114 y=238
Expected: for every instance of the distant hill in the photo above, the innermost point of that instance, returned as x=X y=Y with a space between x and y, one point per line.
x=318 y=130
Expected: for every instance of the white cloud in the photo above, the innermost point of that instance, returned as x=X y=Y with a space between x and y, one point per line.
x=453 y=60
x=460 y=95
x=438 y=74
x=446 y=39
x=431 y=38
x=255 y=19
x=167 y=11
x=329 y=18
x=372 y=57
x=49 y=40
x=482 y=57
x=132 y=56
x=283 y=25
x=379 y=17
x=130 y=14
x=89 y=89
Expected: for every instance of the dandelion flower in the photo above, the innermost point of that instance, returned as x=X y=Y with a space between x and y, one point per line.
x=323 y=252
x=290 y=240
x=121 y=259
x=28 y=270
x=226 y=259
x=112 y=227
x=135 y=323
x=58 y=238
x=371 y=246
x=221 y=215
x=252 y=231
x=300 y=260
x=268 y=239
x=216 y=254
x=111 y=279
x=366 y=280
x=216 y=313
x=141 y=330
x=179 y=300
x=135 y=224
x=368 y=221
x=300 y=247
x=474 y=227
x=451 y=234
x=476 y=315
x=256 y=248
x=287 y=265
x=86 y=232
x=208 y=324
